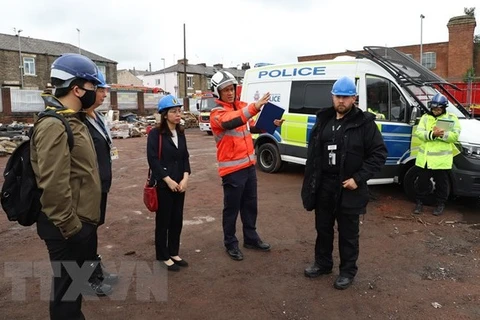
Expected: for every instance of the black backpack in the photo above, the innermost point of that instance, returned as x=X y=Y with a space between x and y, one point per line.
x=20 y=197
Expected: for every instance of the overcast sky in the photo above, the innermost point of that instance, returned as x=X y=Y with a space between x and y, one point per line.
x=137 y=32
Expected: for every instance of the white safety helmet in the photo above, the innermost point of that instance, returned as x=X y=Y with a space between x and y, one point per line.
x=222 y=79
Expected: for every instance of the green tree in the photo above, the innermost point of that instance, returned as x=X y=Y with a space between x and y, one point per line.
x=469 y=75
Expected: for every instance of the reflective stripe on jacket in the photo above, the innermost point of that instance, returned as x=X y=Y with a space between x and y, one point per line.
x=436 y=152
x=235 y=149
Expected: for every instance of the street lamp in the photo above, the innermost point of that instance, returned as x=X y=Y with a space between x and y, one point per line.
x=164 y=77
x=79 y=50
x=19 y=54
x=421 y=38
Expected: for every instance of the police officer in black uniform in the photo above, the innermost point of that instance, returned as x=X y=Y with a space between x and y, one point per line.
x=345 y=150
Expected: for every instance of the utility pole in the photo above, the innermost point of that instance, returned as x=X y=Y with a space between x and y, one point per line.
x=421 y=38
x=186 y=103
x=164 y=77
x=20 y=66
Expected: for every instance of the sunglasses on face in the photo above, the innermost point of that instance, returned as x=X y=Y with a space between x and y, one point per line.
x=87 y=89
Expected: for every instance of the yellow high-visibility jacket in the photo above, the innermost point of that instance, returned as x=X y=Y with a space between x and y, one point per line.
x=436 y=152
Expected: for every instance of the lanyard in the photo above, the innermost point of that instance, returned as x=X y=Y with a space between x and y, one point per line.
x=104 y=129
x=334 y=131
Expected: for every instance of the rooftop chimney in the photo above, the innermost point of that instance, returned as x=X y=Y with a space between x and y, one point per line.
x=460 y=45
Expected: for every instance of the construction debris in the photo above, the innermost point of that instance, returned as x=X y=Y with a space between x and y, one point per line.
x=124 y=126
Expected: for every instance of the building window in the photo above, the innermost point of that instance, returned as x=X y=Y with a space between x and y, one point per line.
x=29 y=66
x=409 y=55
x=157 y=82
x=189 y=82
x=429 y=60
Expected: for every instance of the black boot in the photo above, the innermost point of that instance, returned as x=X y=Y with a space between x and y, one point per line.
x=95 y=285
x=418 y=208
x=438 y=211
x=104 y=275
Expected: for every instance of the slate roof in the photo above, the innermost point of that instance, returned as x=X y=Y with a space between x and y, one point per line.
x=198 y=69
x=38 y=46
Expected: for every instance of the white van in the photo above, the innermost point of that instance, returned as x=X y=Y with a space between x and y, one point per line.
x=389 y=84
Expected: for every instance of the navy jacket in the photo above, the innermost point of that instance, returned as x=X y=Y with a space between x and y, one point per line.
x=174 y=162
x=102 y=141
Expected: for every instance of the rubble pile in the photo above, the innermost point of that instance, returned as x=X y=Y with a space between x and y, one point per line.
x=124 y=126
x=191 y=120
x=12 y=135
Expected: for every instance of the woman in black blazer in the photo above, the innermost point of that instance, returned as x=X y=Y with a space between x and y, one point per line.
x=170 y=171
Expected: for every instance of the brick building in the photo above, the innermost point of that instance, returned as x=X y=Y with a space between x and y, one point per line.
x=37 y=56
x=450 y=60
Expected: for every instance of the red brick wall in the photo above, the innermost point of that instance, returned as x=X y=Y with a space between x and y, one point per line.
x=441 y=50
x=460 y=49
x=453 y=58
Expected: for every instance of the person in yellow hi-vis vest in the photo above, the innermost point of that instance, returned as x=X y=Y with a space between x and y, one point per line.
x=378 y=114
x=435 y=154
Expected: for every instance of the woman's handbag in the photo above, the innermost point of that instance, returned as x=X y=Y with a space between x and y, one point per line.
x=150 y=197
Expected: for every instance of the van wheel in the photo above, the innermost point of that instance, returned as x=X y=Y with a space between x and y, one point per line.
x=210 y=133
x=410 y=186
x=269 y=158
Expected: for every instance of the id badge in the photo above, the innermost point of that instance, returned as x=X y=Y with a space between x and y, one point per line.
x=332 y=158
x=114 y=153
x=332 y=147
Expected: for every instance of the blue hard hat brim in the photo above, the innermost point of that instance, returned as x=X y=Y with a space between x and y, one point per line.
x=343 y=94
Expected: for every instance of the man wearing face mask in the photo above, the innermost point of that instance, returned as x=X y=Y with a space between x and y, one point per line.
x=69 y=180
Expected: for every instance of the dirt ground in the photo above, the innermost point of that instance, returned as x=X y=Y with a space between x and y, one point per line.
x=422 y=267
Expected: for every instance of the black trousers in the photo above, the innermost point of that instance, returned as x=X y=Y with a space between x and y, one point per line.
x=327 y=211
x=168 y=223
x=93 y=243
x=103 y=208
x=441 y=184
x=240 y=195
x=66 y=297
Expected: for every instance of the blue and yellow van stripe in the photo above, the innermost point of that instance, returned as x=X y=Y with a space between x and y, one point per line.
x=397 y=138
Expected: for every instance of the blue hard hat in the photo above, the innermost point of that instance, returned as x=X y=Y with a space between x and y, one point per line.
x=344 y=87
x=103 y=82
x=167 y=102
x=438 y=100
x=72 y=66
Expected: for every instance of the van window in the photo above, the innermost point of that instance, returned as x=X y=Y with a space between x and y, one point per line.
x=384 y=100
x=207 y=104
x=308 y=97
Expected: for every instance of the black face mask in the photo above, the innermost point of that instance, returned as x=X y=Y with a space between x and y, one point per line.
x=88 y=99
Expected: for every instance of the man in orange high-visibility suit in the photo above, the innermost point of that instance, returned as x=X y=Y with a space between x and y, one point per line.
x=229 y=121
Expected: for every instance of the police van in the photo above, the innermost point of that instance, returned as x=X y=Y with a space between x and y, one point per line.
x=389 y=84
